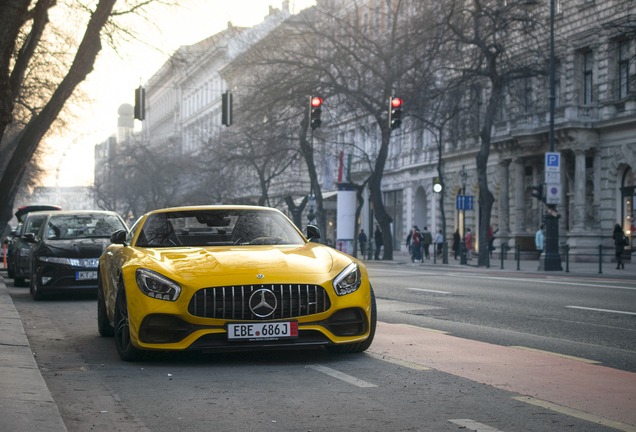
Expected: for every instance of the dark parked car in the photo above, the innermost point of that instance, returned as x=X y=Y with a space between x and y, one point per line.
x=21 y=247
x=65 y=251
x=13 y=240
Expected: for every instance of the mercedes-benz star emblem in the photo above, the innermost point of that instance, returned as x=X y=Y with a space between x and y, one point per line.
x=263 y=303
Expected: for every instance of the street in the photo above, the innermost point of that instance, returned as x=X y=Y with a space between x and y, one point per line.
x=452 y=352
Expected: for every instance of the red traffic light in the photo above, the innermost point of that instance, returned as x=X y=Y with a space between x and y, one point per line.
x=396 y=102
x=315 y=102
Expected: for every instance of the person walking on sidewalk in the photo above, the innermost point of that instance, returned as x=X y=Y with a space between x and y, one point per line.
x=439 y=240
x=469 y=244
x=427 y=239
x=538 y=240
x=362 y=239
x=620 y=241
x=379 y=241
x=416 y=241
x=456 y=240
x=409 y=246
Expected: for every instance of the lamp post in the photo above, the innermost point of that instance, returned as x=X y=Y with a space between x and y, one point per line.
x=463 y=175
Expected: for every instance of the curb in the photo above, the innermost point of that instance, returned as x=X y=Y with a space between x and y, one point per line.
x=26 y=403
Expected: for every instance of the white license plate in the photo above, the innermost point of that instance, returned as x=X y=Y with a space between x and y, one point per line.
x=262 y=331
x=86 y=275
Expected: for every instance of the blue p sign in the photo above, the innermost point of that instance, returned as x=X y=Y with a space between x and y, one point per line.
x=553 y=160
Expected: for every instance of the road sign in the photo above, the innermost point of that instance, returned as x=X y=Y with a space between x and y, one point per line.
x=464 y=202
x=552 y=177
x=553 y=193
x=552 y=162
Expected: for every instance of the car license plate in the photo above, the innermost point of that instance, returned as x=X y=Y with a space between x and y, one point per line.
x=262 y=331
x=85 y=275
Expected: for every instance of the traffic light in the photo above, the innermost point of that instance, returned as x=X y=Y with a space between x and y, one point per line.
x=395 y=112
x=437 y=185
x=226 y=108
x=537 y=192
x=314 y=106
x=140 y=103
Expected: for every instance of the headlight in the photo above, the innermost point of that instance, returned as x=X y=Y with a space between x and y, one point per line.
x=156 y=286
x=348 y=281
x=24 y=252
x=75 y=262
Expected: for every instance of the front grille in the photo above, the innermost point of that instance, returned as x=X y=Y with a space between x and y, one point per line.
x=232 y=302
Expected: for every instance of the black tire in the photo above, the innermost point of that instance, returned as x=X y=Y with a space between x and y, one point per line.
x=103 y=324
x=19 y=282
x=36 y=292
x=364 y=345
x=10 y=270
x=125 y=348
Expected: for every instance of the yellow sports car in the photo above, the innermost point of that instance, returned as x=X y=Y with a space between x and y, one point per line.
x=230 y=278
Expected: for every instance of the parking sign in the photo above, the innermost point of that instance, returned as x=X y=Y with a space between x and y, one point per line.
x=552 y=162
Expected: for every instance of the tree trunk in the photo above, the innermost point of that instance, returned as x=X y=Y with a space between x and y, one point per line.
x=41 y=123
x=486 y=198
x=307 y=151
x=375 y=188
x=296 y=210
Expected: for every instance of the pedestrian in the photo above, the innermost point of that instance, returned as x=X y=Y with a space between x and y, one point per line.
x=620 y=241
x=469 y=244
x=439 y=239
x=491 y=240
x=379 y=241
x=427 y=239
x=362 y=239
x=456 y=240
x=416 y=241
x=538 y=240
x=409 y=246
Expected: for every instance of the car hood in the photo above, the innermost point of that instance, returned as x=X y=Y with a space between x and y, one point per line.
x=242 y=260
x=76 y=248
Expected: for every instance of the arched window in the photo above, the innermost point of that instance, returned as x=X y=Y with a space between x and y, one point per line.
x=628 y=192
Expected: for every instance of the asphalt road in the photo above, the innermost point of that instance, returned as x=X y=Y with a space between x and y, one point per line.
x=316 y=391
x=593 y=319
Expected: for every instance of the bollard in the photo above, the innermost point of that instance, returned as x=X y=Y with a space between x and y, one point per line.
x=445 y=253
x=503 y=246
x=518 y=256
x=434 y=253
x=567 y=258
x=600 y=259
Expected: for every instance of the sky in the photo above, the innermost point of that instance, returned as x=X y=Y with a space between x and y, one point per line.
x=117 y=74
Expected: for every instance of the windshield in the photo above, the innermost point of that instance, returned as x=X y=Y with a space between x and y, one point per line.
x=86 y=225
x=218 y=228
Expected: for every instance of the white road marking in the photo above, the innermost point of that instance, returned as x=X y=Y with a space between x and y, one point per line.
x=601 y=310
x=592 y=418
x=397 y=361
x=543 y=281
x=424 y=328
x=431 y=291
x=342 y=376
x=474 y=426
x=558 y=355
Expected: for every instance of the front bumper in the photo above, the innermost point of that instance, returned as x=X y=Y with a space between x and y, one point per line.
x=59 y=277
x=164 y=325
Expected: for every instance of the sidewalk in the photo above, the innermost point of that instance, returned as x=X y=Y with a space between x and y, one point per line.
x=26 y=404
x=529 y=267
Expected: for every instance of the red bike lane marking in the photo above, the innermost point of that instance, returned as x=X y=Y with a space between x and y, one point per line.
x=595 y=389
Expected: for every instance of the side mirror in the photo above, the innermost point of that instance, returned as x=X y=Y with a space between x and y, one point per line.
x=313 y=233
x=119 y=237
x=29 y=238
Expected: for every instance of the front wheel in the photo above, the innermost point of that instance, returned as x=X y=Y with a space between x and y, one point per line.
x=103 y=324
x=36 y=292
x=125 y=348
x=364 y=345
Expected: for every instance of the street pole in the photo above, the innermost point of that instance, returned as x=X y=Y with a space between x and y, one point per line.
x=462 y=245
x=552 y=259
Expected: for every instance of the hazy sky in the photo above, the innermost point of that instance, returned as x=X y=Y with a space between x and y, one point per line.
x=116 y=75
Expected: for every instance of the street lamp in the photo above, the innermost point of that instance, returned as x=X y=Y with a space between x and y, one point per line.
x=463 y=175
x=552 y=259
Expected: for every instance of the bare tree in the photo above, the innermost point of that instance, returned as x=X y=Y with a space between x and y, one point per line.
x=22 y=30
x=495 y=43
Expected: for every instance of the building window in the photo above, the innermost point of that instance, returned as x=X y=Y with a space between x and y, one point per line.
x=623 y=69
x=587 y=78
x=527 y=95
